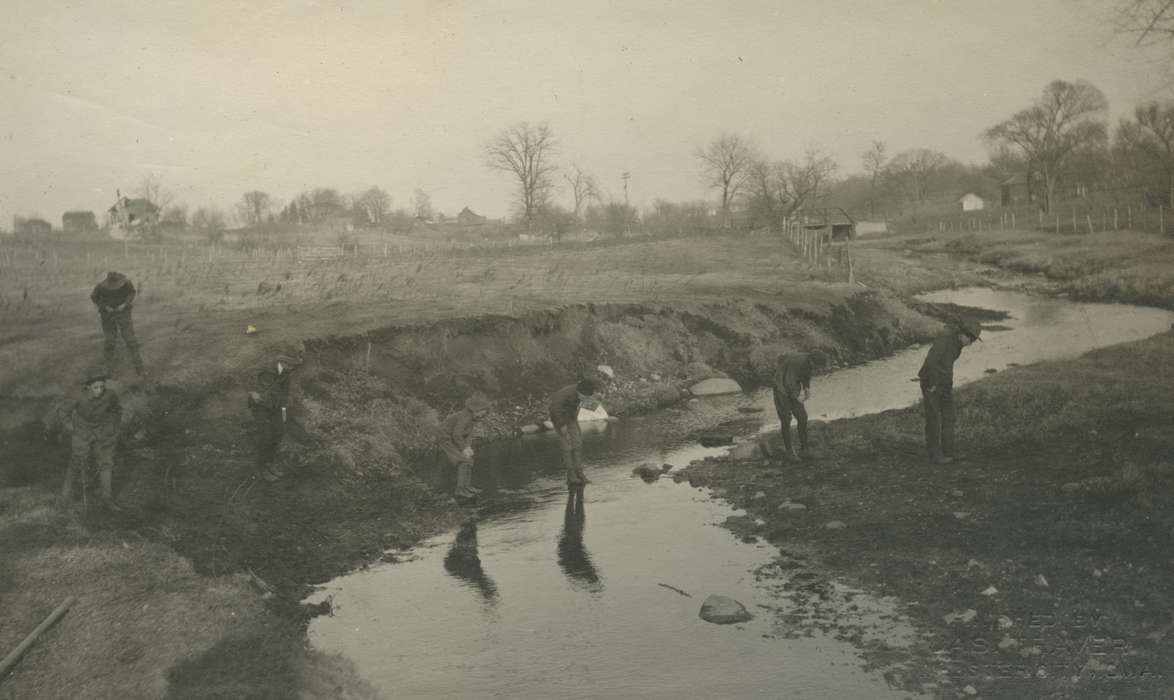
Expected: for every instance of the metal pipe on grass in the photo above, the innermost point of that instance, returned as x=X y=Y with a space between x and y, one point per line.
x=13 y=657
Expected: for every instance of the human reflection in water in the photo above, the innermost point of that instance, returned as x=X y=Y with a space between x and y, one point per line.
x=573 y=558
x=462 y=562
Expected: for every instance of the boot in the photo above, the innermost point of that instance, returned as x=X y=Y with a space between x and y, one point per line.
x=464 y=481
x=108 y=491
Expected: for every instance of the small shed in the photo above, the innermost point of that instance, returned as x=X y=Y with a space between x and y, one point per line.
x=131 y=216
x=1015 y=190
x=837 y=222
x=972 y=202
x=468 y=217
x=79 y=222
x=32 y=226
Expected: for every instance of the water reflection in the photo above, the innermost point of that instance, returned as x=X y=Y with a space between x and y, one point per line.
x=573 y=558
x=463 y=563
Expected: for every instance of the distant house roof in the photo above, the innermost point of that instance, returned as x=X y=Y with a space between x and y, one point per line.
x=970 y=194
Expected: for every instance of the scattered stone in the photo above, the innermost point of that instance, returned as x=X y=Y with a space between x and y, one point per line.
x=1096 y=573
x=548 y=425
x=787 y=505
x=1041 y=672
x=970 y=690
x=961 y=515
x=835 y=525
x=721 y=610
x=715 y=386
x=759 y=495
x=648 y=471
x=964 y=617
x=957 y=493
x=974 y=564
x=1008 y=642
x=1041 y=581
x=666 y=467
x=694 y=400
x=1005 y=622
x=530 y=429
x=745 y=451
x=606 y=371
x=1070 y=488
x=990 y=591
x=655 y=377
x=1031 y=651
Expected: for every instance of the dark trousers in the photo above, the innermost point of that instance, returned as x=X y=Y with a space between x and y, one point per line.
x=571 y=440
x=939 y=421
x=270 y=431
x=788 y=406
x=119 y=323
x=98 y=443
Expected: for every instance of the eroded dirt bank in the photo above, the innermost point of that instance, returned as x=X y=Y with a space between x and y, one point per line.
x=365 y=406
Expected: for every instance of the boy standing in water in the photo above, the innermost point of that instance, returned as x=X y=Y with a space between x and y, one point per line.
x=564 y=415
x=455 y=443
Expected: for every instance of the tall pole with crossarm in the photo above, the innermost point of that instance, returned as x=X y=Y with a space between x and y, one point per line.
x=627 y=220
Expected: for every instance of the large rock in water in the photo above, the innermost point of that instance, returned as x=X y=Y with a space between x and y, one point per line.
x=648 y=471
x=721 y=610
x=715 y=386
x=586 y=416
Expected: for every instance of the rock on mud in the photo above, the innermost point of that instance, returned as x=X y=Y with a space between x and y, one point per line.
x=746 y=451
x=715 y=386
x=648 y=471
x=606 y=371
x=721 y=610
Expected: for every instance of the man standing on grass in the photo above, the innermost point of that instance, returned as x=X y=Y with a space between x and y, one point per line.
x=937 y=389
x=270 y=406
x=792 y=387
x=455 y=444
x=114 y=297
x=564 y=415
x=96 y=419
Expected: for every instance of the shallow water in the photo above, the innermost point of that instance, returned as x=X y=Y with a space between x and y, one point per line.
x=555 y=606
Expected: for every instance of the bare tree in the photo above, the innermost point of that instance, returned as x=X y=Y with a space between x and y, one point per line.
x=763 y=192
x=151 y=189
x=803 y=183
x=1067 y=116
x=1149 y=20
x=874 y=160
x=725 y=163
x=254 y=208
x=422 y=205
x=176 y=215
x=210 y=222
x=1145 y=147
x=526 y=152
x=584 y=188
x=373 y=206
x=914 y=170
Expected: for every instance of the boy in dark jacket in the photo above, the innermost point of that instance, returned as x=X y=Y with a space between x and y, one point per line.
x=114 y=297
x=96 y=419
x=937 y=389
x=269 y=403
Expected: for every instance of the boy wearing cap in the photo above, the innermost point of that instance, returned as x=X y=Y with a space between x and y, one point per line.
x=455 y=443
x=564 y=415
x=95 y=418
x=792 y=387
x=937 y=389
x=114 y=297
x=270 y=407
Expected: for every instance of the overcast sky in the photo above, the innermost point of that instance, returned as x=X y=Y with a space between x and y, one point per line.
x=291 y=95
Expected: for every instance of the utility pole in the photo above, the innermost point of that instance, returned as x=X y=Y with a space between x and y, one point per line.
x=627 y=222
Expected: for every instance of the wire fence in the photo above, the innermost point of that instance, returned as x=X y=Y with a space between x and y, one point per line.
x=1064 y=218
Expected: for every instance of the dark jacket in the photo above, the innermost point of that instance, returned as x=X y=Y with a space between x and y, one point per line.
x=455 y=435
x=102 y=412
x=794 y=374
x=938 y=369
x=273 y=388
x=564 y=406
x=102 y=296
